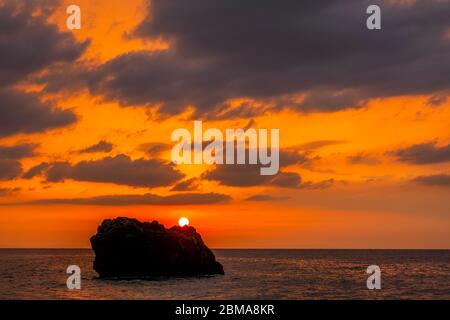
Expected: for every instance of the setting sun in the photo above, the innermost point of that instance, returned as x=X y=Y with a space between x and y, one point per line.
x=183 y=221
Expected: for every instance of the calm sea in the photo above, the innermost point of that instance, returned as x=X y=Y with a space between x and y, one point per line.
x=250 y=274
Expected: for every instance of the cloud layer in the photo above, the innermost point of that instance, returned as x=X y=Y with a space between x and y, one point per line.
x=120 y=169
x=9 y=169
x=128 y=200
x=18 y=151
x=101 y=146
x=25 y=113
x=29 y=44
x=249 y=176
x=424 y=153
x=269 y=52
x=440 y=180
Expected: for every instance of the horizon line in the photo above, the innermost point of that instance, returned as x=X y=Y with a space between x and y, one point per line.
x=278 y=248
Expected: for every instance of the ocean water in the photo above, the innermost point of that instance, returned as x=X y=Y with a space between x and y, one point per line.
x=250 y=274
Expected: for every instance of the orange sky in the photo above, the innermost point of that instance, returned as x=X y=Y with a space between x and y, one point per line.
x=371 y=204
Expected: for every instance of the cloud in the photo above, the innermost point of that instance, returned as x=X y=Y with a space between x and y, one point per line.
x=58 y=171
x=440 y=180
x=237 y=175
x=324 y=184
x=425 y=153
x=286 y=180
x=294 y=156
x=28 y=43
x=36 y=170
x=25 y=113
x=128 y=200
x=265 y=197
x=314 y=145
x=8 y=191
x=329 y=100
x=9 y=169
x=437 y=100
x=294 y=180
x=249 y=176
x=18 y=151
x=119 y=170
x=362 y=158
x=154 y=149
x=187 y=185
x=272 y=52
x=102 y=146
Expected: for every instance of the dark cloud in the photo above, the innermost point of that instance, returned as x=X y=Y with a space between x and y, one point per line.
x=314 y=145
x=28 y=43
x=293 y=180
x=154 y=149
x=286 y=180
x=249 y=176
x=437 y=100
x=36 y=170
x=269 y=51
x=128 y=200
x=119 y=170
x=425 y=153
x=265 y=197
x=102 y=146
x=362 y=158
x=304 y=154
x=8 y=191
x=317 y=185
x=187 y=185
x=58 y=171
x=329 y=100
x=9 y=169
x=440 y=180
x=250 y=124
x=18 y=151
x=246 y=175
x=292 y=156
x=25 y=113
x=237 y=175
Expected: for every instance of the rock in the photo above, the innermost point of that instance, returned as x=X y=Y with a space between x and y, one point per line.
x=128 y=248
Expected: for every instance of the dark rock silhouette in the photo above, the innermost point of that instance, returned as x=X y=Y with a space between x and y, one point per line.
x=128 y=248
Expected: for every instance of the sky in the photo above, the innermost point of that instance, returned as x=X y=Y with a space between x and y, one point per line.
x=86 y=118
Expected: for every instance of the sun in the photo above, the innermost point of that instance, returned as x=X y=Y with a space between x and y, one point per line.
x=183 y=221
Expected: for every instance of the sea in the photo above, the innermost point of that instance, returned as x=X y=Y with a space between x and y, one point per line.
x=249 y=274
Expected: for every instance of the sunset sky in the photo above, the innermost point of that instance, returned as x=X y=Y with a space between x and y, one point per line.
x=86 y=118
